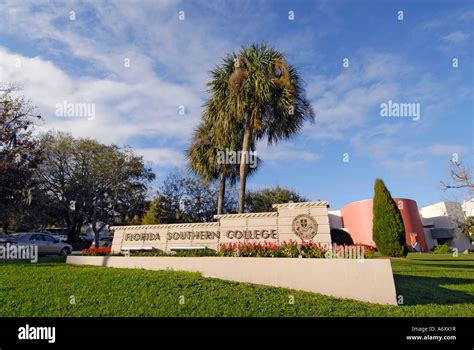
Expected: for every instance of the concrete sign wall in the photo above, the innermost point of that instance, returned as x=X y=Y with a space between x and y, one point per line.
x=365 y=280
x=291 y=221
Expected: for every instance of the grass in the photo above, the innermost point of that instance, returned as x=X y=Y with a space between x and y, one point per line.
x=431 y=285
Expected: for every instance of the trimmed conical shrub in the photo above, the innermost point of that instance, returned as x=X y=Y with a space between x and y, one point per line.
x=388 y=230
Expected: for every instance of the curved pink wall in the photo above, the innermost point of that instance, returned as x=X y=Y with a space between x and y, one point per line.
x=357 y=219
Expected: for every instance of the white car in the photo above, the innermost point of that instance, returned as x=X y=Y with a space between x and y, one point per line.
x=57 y=234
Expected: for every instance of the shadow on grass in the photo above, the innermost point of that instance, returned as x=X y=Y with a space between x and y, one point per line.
x=450 y=266
x=418 y=290
x=454 y=260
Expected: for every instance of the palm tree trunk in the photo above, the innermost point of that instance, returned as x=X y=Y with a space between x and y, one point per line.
x=244 y=165
x=221 y=194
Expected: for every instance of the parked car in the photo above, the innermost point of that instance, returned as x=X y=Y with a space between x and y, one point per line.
x=86 y=237
x=3 y=237
x=59 y=233
x=104 y=242
x=47 y=244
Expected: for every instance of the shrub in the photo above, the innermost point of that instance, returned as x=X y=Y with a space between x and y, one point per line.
x=153 y=252
x=369 y=251
x=442 y=249
x=97 y=251
x=291 y=249
x=388 y=229
x=200 y=252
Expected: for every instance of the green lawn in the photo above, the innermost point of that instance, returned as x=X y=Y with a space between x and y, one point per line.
x=431 y=285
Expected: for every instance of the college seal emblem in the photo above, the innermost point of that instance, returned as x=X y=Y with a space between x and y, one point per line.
x=304 y=226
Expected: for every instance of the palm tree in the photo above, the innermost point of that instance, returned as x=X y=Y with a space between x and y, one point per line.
x=260 y=91
x=202 y=160
x=203 y=154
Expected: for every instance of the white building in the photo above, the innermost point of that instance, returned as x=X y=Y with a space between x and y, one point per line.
x=335 y=219
x=468 y=207
x=443 y=223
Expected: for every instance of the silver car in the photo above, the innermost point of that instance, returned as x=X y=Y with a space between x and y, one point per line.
x=104 y=242
x=47 y=244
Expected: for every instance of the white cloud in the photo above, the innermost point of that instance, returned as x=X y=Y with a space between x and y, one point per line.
x=348 y=109
x=169 y=63
x=352 y=98
x=162 y=156
x=397 y=156
x=442 y=150
x=405 y=167
x=284 y=151
x=457 y=37
x=457 y=17
x=123 y=109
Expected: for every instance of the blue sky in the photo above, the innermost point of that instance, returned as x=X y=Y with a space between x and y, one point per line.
x=406 y=61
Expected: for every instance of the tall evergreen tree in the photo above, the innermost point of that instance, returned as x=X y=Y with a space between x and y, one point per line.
x=388 y=229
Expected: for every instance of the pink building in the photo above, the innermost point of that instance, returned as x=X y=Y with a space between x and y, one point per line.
x=357 y=220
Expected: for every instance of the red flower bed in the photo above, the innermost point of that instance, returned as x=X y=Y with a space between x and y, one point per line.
x=97 y=251
x=356 y=251
x=291 y=249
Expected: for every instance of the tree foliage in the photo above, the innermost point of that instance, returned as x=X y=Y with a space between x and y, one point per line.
x=388 y=228
x=19 y=154
x=92 y=182
x=468 y=227
x=206 y=155
x=183 y=198
x=257 y=90
x=262 y=200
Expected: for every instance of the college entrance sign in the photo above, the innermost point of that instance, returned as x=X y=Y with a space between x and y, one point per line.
x=360 y=279
x=291 y=221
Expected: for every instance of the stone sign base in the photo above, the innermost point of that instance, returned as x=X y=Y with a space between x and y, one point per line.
x=364 y=280
x=299 y=222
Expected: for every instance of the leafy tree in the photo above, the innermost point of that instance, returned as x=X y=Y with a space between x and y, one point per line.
x=262 y=200
x=184 y=198
x=468 y=227
x=93 y=183
x=39 y=214
x=164 y=210
x=19 y=154
x=203 y=160
x=135 y=220
x=187 y=199
x=58 y=180
x=388 y=228
x=151 y=216
x=206 y=155
x=259 y=91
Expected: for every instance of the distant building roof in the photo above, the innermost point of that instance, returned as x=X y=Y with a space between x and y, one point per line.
x=438 y=233
x=427 y=222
